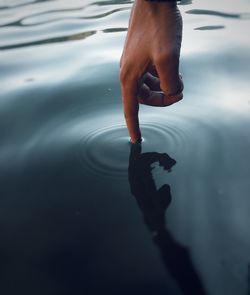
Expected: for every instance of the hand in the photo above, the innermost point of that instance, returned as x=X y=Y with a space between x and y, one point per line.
x=149 y=72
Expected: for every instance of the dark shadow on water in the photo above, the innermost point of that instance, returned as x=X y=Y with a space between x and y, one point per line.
x=111 y=2
x=186 y=2
x=218 y=13
x=153 y=203
x=80 y=36
x=6 y=6
x=209 y=28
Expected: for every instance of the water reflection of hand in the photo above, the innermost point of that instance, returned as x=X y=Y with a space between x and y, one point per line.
x=166 y=162
x=153 y=204
x=150 y=60
x=152 y=201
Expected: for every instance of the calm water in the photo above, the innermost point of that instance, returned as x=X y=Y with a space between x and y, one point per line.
x=82 y=213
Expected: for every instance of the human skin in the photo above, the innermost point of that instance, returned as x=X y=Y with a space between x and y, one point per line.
x=149 y=66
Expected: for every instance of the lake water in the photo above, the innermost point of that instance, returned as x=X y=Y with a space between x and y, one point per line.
x=83 y=213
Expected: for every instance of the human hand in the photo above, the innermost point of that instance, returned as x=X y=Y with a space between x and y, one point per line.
x=149 y=72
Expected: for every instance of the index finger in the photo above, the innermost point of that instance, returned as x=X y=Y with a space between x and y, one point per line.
x=131 y=108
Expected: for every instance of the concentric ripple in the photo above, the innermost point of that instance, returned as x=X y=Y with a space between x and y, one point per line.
x=105 y=151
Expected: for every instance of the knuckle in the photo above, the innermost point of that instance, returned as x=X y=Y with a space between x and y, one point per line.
x=128 y=76
x=168 y=53
x=173 y=99
x=125 y=74
x=172 y=87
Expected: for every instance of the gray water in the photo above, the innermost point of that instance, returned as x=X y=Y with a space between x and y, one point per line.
x=83 y=213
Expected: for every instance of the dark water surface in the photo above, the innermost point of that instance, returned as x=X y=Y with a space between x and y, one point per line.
x=83 y=213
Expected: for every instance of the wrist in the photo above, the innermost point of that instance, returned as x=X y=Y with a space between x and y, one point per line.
x=154 y=4
x=166 y=1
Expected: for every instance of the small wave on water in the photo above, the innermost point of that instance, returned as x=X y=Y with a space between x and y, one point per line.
x=33 y=23
x=205 y=28
x=218 y=13
x=105 y=150
x=37 y=23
